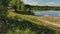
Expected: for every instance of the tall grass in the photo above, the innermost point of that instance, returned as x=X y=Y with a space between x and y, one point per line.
x=16 y=30
x=21 y=24
x=26 y=27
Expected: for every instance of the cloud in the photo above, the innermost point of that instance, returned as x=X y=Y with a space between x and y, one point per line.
x=44 y=4
x=34 y=3
x=50 y=3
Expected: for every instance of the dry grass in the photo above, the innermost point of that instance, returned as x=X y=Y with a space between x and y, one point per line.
x=51 y=19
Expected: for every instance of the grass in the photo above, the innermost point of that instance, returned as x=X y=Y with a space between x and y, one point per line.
x=22 y=24
x=51 y=19
x=16 y=30
x=0 y=24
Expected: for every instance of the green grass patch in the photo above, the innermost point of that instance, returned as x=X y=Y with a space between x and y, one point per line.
x=22 y=24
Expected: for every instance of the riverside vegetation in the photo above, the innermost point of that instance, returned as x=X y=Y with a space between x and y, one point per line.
x=12 y=22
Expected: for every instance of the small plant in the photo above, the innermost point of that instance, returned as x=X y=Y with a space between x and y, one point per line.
x=0 y=24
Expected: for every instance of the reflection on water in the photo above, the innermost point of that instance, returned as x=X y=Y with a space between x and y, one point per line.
x=48 y=13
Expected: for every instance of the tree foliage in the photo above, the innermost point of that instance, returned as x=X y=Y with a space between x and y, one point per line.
x=16 y=4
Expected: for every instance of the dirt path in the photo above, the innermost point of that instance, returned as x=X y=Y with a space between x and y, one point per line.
x=48 y=23
x=54 y=25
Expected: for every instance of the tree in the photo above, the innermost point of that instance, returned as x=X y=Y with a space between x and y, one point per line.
x=28 y=7
x=3 y=11
x=16 y=5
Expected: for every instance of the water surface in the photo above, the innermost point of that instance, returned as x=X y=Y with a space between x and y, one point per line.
x=47 y=13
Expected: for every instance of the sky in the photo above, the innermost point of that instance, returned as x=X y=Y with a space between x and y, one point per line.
x=43 y=2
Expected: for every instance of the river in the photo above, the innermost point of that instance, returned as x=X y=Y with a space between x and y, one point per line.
x=47 y=13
